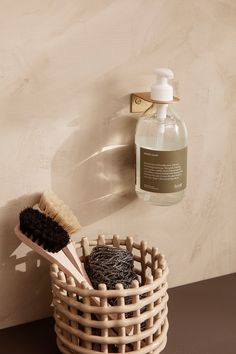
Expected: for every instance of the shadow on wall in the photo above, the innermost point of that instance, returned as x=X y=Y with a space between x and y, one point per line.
x=25 y=283
x=93 y=171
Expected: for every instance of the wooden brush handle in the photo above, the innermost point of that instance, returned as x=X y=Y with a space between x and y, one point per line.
x=59 y=258
x=71 y=253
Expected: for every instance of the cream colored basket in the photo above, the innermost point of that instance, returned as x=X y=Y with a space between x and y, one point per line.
x=136 y=324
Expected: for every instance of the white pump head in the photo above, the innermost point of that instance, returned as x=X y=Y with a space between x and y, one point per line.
x=161 y=90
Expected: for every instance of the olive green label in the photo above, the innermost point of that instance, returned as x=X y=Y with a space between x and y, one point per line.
x=163 y=171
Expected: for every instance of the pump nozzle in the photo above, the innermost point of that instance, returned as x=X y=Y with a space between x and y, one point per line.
x=161 y=90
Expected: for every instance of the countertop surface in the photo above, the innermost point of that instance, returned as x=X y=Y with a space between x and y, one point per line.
x=202 y=320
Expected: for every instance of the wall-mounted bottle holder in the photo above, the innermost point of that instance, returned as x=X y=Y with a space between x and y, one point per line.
x=141 y=101
x=140 y=325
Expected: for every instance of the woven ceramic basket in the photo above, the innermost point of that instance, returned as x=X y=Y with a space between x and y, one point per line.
x=136 y=324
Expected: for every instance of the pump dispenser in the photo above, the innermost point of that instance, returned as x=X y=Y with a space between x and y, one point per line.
x=162 y=91
x=161 y=147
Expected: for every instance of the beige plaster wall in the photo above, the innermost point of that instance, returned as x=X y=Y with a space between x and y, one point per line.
x=66 y=71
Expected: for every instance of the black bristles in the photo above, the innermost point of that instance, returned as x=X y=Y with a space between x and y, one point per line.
x=43 y=230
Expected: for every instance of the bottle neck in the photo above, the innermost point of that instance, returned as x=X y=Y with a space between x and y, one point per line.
x=161 y=110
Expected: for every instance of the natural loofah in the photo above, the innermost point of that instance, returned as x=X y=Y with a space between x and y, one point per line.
x=43 y=230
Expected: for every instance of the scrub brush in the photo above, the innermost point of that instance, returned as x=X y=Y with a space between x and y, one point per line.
x=47 y=238
x=51 y=205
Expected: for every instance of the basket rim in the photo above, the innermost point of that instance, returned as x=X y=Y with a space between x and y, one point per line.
x=142 y=289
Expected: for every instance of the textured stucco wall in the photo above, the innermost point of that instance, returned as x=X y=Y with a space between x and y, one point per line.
x=66 y=71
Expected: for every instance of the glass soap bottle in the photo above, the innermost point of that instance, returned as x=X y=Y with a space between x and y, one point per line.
x=161 y=148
